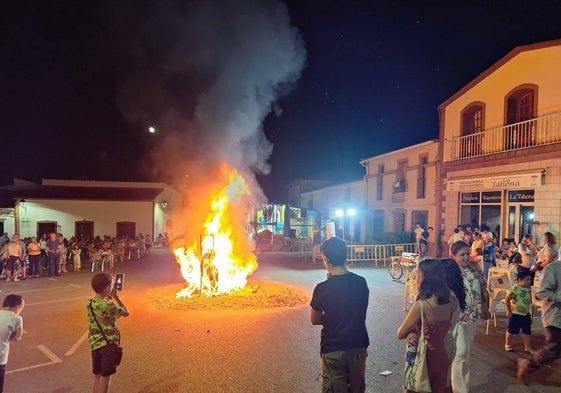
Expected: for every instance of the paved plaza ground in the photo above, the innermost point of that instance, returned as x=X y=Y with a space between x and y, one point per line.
x=259 y=348
x=493 y=369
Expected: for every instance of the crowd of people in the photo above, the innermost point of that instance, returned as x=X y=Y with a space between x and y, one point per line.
x=53 y=254
x=49 y=255
x=452 y=297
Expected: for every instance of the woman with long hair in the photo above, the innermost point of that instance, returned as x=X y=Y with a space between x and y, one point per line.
x=456 y=284
x=548 y=253
x=455 y=280
x=476 y=307
x=438 y=306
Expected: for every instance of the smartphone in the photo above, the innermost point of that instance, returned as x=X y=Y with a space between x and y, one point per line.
x=119 y=281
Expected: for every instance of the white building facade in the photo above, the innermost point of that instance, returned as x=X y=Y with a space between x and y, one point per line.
x=398 y=191
x=88 y=208
x=343 y=204
x=401 y=191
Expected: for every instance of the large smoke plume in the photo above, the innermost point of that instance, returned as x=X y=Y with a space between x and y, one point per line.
x=209 y=73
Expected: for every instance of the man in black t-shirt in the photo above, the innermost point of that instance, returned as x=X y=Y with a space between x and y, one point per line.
x=339 y=304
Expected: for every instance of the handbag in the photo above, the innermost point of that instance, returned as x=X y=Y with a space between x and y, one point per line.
x=416 y=376
x=112 y=351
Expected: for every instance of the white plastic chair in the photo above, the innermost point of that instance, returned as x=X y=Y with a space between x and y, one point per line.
x=410 y=290
x=499 y=272
x=498 y=287
x=502 y=263
x=536 y=303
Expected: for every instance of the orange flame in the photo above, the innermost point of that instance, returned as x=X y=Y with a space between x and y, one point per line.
x=223 y=260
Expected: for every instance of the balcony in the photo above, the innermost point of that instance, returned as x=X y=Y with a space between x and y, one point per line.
x=540 y=131
x=400 y=186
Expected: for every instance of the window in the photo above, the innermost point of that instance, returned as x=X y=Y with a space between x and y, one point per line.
x=400 y=184
x=46 y=227
x=84 y=229
x=520 y=110
x=481 y=209
x=378 y=221
x=472 y=120
x=380 y=183
x=419 y=217
x=471 y=129
x=421 y=177
x=126 y=228
x=399 y=220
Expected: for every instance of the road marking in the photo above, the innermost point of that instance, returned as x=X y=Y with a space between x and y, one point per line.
x=57 y=301
x=48 y=289
x=29 y=368
x=47 y=352
x=77 y=344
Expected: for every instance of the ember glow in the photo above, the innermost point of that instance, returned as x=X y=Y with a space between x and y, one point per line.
x=222 y=260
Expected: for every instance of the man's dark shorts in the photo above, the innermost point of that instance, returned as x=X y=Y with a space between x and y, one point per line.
x=13 y=263
x=520 y=322
x=102 y=365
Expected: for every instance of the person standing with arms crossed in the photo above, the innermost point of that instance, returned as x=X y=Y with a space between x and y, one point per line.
x=11 y=330
x=103 y=311
x=15 y=258
x=339 y=304
x=53 y=246
x=477 y=307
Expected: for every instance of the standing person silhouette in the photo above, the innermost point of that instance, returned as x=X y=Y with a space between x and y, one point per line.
x=339 y=304
x=11 y=329
x=549 y=292
x=477 y=307
x=436 y=306
x=103 y=311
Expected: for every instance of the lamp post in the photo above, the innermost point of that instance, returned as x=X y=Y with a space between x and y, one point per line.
x=342 y=214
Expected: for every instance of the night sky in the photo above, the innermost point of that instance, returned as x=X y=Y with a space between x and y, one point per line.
x=327 y=83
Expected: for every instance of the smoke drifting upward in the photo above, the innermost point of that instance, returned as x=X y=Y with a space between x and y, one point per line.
x=216 y=70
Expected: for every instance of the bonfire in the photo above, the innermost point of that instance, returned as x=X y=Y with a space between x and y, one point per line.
x=222 y=259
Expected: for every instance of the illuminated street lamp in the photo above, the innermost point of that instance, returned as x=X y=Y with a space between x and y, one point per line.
x=151 y=130
x=342 y=214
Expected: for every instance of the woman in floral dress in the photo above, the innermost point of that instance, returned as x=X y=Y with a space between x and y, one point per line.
x=477 y=307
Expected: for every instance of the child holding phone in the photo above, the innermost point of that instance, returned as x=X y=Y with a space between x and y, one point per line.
x=103 y=311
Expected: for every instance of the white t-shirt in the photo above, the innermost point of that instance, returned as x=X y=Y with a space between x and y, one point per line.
x=10 y=323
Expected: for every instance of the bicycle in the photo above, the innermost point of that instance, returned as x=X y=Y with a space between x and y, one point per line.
x=404 y=263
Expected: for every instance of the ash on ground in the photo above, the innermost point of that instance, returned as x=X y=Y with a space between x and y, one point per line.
x=255 y=295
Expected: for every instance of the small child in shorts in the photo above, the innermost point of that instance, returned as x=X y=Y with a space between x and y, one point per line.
x=518 y=303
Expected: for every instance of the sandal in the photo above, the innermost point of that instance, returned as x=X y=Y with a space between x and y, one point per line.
x=508 y=348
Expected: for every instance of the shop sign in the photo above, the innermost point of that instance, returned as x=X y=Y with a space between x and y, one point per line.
x=521 y=196
x=470 y=197
x=496 y=182
x=491 y=197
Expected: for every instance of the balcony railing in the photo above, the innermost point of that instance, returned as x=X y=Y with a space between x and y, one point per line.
x=542 y=130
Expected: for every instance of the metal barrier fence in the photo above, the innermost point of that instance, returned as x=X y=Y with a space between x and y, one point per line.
x=377 y=253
